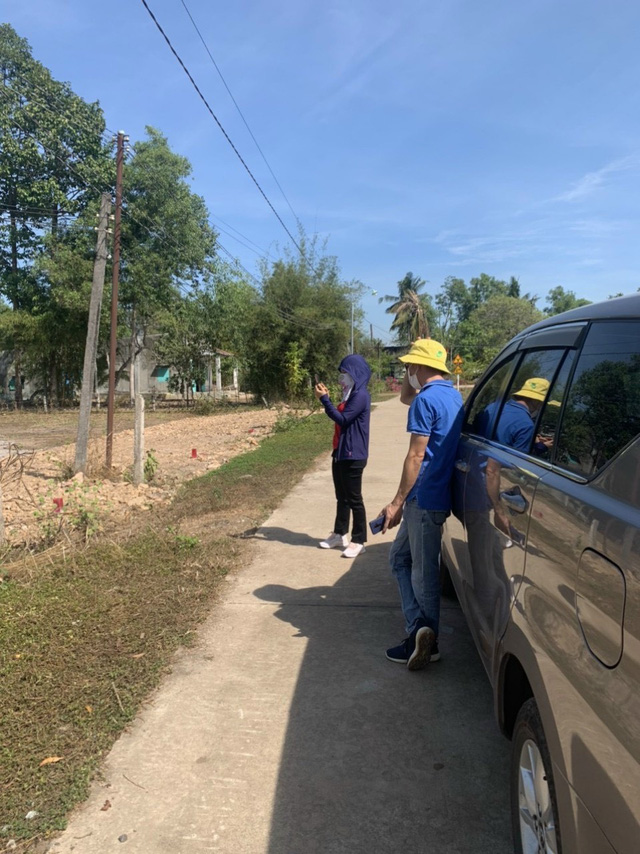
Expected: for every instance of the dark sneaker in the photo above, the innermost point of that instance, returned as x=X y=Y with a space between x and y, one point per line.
x=401 y=652
x=423 y=642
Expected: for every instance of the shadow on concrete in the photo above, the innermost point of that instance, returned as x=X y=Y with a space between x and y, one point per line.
x=283 y=535
x=377 y=760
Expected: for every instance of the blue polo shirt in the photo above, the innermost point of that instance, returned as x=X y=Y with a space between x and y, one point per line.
x=515 y=426
x=436 y=412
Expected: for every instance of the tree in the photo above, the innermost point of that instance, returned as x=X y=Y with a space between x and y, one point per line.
x=413 y=312
x=560 y=300
x=168 y=245
x=456 y=302
x=52 y=162
x=489 y=327
x=301 y=320
x=214 y=316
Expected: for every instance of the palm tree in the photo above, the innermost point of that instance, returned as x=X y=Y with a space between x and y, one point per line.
x=409 y=308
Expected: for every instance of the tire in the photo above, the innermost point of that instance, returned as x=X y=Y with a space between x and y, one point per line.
x=534 y=810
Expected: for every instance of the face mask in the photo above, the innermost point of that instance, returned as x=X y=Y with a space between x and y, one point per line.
x=414 y=382
x=345 y=381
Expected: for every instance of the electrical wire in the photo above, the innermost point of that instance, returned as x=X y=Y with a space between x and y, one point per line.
x=237 y=106
x=217 y=121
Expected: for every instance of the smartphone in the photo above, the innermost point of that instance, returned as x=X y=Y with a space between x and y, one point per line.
x=376 y=525
x=317 y=378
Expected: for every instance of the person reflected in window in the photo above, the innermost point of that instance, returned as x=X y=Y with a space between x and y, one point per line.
x=517 y=420
x=515 y=429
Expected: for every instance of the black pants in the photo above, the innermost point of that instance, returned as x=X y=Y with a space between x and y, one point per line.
x=347 y=479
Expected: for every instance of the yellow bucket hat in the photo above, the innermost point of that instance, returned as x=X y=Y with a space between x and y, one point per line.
x=426 y=351
x=536 y=389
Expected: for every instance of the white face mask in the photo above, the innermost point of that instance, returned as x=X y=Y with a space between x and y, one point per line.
x=414 y=382
x=345 y=381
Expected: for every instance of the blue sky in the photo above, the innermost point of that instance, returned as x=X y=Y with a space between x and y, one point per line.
x=448 y=137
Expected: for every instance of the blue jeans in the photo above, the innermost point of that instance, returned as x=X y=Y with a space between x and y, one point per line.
x=415 y=562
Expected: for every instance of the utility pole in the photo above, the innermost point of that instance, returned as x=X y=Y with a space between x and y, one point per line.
x=111 y=399
x=93 y=327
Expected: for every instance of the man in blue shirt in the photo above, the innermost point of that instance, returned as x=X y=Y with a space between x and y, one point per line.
x=423 y=499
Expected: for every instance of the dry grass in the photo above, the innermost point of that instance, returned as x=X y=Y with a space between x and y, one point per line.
x=86 y=634
x=37 y=430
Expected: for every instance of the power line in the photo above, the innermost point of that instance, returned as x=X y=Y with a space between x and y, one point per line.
x=226 y=86
x=243 y=236
x=217 y=121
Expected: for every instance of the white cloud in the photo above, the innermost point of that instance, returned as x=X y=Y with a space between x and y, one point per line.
x=590 y=182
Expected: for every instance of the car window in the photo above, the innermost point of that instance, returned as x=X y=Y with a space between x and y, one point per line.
x=528 y=392
x=602 y=412
x=547 y=427
x=485 y=403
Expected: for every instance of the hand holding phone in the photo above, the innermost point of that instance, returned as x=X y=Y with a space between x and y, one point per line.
x=376 y=525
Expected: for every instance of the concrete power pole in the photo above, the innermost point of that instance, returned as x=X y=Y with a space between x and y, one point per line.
x=111 y=400
x=93 y=328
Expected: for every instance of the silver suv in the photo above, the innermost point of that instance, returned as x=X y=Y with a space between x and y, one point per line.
x=543 y=549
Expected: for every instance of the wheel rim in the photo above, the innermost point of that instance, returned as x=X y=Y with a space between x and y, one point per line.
x=537 y=824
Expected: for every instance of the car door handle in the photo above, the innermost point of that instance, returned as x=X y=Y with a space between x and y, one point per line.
x=515 y=500
x=462 y=466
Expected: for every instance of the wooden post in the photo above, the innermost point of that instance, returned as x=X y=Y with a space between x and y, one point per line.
x=138 y=441
x=218 y=373
x=111 y=397
x=93 y=329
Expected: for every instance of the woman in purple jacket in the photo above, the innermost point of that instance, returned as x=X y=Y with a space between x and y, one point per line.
x=350 y=452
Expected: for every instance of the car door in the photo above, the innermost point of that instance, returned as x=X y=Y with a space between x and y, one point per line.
x=579 y=607
x=465 y=479
x=504 y=471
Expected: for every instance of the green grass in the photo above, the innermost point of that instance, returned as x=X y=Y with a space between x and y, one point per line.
x=260 y=478
x=85 y=636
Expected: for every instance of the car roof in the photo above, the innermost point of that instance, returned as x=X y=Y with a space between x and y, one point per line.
x=619 y=308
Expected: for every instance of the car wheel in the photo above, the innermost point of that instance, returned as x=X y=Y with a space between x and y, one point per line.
x=534 y=811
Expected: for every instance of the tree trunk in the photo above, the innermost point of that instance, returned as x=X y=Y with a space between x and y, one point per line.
x=53 y=384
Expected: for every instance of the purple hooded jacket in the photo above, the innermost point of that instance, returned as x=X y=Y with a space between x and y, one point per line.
x=354 y=419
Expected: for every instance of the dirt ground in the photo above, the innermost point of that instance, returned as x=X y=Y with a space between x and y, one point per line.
x=41 y=500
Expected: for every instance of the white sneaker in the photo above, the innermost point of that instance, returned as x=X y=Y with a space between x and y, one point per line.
x=334 y=541
x=353 y=550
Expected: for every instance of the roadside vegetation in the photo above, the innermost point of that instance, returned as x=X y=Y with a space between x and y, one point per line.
x=88 y=632
x=182 y=295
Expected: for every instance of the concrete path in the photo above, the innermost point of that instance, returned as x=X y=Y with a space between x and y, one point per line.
x=286 y=731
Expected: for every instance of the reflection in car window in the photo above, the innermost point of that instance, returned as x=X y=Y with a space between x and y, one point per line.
x=622 y=478
x=480 y=416
x=602 y=413
x=548 y=423
x=529 y=390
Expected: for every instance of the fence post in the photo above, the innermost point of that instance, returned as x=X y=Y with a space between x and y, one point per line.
x=138 y=441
